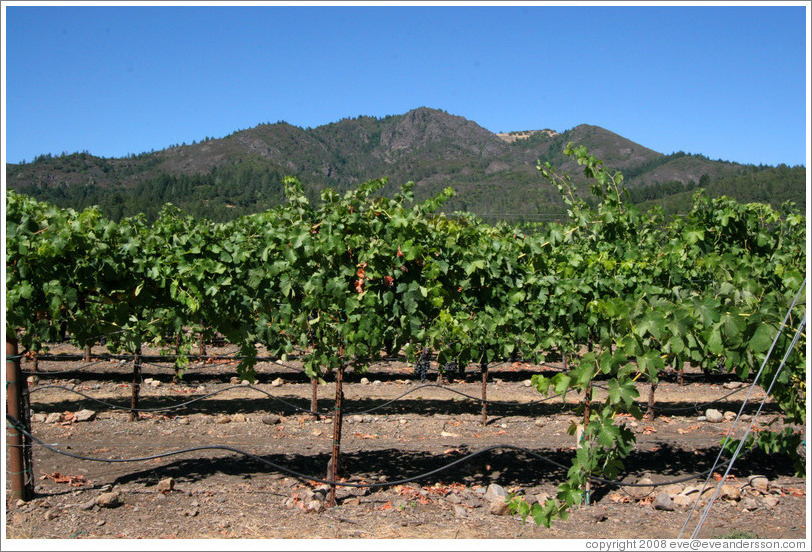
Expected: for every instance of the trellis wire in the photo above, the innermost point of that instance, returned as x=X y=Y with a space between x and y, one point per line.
x=746 y=433
x=750 y=392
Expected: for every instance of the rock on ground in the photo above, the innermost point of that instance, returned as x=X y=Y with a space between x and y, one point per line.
x=499 y=507
x=664 y=502
x=271 y=419
x=166 y=485
x=109 y=500
x=683 y=501
x=770 y=501
x=731 y=492
x=759 y=482
x=495 y=491
x=713 y=416
x=642 y=492
x=84 y=416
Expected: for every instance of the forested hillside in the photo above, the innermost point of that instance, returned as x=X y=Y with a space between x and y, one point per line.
x=494 y=175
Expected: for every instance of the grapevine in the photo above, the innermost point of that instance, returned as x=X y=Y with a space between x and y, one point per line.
x=355 y=276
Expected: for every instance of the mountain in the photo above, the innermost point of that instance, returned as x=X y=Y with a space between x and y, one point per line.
x=494 y=175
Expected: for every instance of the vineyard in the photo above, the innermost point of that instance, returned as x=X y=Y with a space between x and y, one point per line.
x=595 y=317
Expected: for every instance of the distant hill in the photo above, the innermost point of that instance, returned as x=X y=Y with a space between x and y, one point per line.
x=494 y=175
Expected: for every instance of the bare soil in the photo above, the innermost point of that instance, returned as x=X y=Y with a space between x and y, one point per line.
x=220 y=493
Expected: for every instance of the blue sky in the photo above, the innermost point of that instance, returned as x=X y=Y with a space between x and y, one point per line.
x=729 y=82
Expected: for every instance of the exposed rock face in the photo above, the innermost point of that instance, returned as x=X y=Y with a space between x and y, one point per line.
x=420 y=127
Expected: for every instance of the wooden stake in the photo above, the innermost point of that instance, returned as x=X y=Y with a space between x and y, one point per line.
x=314 y=399
x=483 y=367
x=136 y=385
x=28 y=449
x=650 y=410
x=14 y=438
x=337 y=418
x=33 y=360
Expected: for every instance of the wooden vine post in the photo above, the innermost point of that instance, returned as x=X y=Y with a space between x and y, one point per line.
x=28 y=445
x=20 y=468
x=33 y=359
x=314 y=398
x=483 y=367
x=136 y=385
x=337 y=419
x=650 y=410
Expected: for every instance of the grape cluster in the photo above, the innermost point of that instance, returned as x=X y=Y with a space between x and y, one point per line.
x=452 y=370
x=714 y=365
x=423 y=364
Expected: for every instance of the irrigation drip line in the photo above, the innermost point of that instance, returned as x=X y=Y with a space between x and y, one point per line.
x=154 y=365
x=73 y=357
x=291 y=405
x=412 y=391
x=17 y=425
x=289 y=367
x=146 y=359
x=63 y=357
x=696 y=407
x=453 y=391
x=172 y=407
x=55 y=372
x=203 y=365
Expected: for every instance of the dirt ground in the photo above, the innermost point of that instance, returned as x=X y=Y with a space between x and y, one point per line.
x=222 y=494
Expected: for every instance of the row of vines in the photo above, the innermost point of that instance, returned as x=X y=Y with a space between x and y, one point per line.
x=620 y=294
